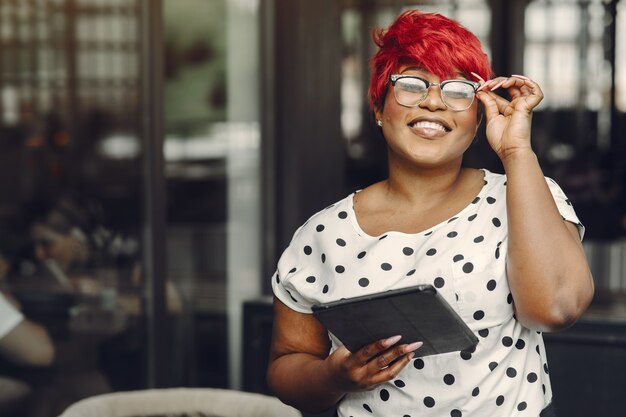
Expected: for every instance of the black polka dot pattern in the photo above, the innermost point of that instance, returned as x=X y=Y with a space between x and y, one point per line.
x=384 y=395
x=464 y=258
x=399 y=383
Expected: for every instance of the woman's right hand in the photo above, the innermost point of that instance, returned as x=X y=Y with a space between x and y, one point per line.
x=372 y=365
x=302 y=373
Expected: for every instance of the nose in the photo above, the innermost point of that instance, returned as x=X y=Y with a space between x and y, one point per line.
x=433 y=100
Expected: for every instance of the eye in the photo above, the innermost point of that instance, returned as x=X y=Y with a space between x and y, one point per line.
x=412 y=85
x=458 y=89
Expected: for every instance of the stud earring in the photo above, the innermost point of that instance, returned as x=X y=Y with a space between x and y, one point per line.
x=379 y=123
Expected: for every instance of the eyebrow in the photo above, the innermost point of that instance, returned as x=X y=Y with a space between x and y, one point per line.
x=413 y=69
x=457 y=76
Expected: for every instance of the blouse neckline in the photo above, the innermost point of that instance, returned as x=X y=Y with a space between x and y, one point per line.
x=426 y=232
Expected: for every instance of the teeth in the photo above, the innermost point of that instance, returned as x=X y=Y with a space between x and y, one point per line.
x=428 y=125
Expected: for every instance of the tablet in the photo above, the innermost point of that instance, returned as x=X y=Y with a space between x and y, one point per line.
x=417 y=313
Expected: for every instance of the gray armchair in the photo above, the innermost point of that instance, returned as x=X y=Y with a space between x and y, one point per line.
x=181 y=402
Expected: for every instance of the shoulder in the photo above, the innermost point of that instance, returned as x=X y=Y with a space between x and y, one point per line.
x=316 y=233
x=333 y=214
x=494 y=178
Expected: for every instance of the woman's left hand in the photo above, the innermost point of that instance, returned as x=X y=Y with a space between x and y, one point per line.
x=509 y=122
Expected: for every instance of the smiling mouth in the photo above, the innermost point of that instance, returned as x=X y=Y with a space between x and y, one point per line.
x=426 y=124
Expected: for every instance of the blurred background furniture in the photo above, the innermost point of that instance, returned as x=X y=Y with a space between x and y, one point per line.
x=181 y=402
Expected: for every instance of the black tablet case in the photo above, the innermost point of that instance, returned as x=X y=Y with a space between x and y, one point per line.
x=417 y=313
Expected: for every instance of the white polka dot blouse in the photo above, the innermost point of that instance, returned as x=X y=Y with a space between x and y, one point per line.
x=506 y=374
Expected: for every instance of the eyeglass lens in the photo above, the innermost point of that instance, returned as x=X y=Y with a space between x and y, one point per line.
x=457 y=95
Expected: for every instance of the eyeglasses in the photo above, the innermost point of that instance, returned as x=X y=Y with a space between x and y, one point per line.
x=411 y=90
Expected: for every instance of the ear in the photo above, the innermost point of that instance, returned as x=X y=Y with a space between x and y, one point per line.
x=378 y=116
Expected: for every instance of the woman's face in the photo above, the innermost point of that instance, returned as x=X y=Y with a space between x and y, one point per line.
x=65 y=249
x=429 y=134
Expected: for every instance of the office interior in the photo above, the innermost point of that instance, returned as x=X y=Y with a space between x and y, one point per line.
x=199 y=134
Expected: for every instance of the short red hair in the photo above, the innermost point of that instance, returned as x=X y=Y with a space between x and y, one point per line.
x=428 y=40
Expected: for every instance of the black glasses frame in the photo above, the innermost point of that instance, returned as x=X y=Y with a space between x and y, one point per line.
x=393 y=78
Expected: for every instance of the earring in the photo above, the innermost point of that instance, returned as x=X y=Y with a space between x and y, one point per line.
x=379 y=123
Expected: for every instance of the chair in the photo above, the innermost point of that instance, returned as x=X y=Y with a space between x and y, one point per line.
x=181 y=402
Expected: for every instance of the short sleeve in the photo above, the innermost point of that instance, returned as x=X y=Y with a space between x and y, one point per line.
x=9 y=316
x=287 y=280
x=564 y=206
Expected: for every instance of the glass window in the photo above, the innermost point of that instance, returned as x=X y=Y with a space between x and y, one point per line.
x=70 y=197
x=212 y=152
x=620 y=64
x=71 y=200
x=565 y=53
x=196 y=148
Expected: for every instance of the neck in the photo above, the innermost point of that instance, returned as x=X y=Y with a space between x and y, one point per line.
x=420 y=184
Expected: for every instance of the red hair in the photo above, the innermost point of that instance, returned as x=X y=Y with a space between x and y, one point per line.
x=428 y=40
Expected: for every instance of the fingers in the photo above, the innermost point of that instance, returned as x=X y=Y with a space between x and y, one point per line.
x=365 y=354
x=494 y=104
x=388 y=358
x=379 y=362
x=525 y=93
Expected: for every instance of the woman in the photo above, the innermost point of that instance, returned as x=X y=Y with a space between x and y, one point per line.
x=503 y=250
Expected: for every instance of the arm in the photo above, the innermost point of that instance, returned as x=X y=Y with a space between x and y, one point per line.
x=303 y=375
x=553 y=290
x=28 y=343
x=546 y=265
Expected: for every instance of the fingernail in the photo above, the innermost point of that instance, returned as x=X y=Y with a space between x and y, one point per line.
x=482 y=87
x=410 y=355
x=478 y=77
x=413 y=346
x=521 y=77
x=495 y=87
x=392 y=340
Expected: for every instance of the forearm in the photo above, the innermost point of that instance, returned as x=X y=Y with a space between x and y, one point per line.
x=304 y=382
x=547 y=269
